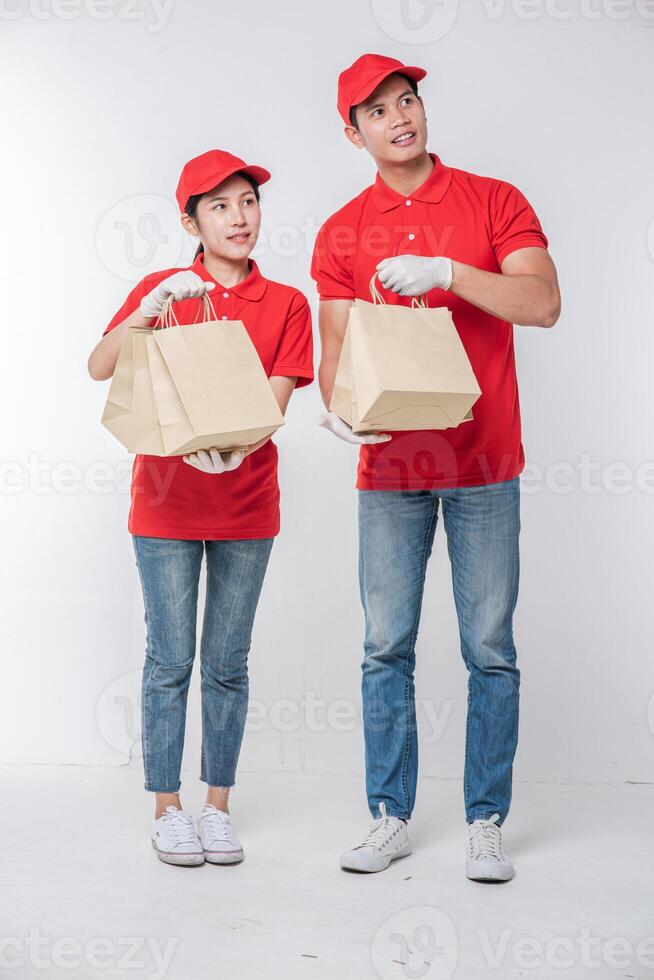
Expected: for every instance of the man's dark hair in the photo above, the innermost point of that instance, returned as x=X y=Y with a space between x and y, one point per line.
x=192 y=203
x=410 y=82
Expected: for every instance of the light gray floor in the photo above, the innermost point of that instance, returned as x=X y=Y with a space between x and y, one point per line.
x=80 y=880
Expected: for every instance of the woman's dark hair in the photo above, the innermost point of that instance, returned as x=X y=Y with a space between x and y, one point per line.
x=192 y=203
x=413 y=85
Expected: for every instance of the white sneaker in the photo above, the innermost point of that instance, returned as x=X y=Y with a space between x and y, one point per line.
x=175 y=840
x=386 y=840
x=217 y=837
x=486 y=860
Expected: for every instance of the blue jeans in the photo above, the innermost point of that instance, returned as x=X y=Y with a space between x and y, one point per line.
x=396 y=533
x=170 y=571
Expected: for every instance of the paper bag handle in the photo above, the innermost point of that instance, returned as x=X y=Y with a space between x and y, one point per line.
x=167 y=316
x=417 y=302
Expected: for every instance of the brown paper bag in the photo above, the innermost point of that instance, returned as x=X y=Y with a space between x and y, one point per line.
x=402 y=368
x=130 y=412
x=177 y=389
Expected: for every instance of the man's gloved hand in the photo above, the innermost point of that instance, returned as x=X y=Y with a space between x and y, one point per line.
x=413 y=275
x=213 y=461
x=181 y=285
x=331 y=421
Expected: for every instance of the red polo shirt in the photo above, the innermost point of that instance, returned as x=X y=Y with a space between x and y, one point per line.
x=472 y=219
x=170 y=498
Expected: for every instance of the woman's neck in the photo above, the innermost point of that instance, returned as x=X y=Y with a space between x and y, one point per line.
x=227 y=272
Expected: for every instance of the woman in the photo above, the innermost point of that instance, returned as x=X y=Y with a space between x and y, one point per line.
x=225 y=506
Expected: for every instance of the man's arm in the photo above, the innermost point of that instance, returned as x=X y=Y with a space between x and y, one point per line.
x=526 y=292
x=332 y=323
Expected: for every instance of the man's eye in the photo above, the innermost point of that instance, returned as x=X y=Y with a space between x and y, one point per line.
x=376 y=112
x=216 y=206
x=408 y=99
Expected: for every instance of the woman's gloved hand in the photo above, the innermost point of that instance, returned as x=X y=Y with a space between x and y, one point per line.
x=331 y=421
x=181 y=285
x=213 y=461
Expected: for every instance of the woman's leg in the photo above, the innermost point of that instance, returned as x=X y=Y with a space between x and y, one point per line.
x=170 y=571
x=235 y=574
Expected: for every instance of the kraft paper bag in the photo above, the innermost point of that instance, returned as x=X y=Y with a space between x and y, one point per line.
x=130 y=412
x=193 y=386
x=402 y=368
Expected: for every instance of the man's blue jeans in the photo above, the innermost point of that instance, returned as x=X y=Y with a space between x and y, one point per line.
x=170 y=573
x=396 y=533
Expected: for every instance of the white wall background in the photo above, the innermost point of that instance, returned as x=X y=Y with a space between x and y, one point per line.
x=101 y=106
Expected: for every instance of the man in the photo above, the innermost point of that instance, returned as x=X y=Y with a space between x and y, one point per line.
x=475 y=245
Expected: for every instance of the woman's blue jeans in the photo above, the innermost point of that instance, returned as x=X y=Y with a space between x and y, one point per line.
x=396 y=533
x=170 y=572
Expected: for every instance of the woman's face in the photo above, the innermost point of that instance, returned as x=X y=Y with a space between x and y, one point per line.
x=227 y=219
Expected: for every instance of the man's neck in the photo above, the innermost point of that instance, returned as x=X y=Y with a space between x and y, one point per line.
x=225 y=271
x=405 y=178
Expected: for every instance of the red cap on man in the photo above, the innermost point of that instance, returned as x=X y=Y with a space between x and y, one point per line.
x=361 y=79
x=208 y=170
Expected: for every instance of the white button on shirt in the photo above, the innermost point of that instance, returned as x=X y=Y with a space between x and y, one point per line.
x=226 y=295
x=411 y=237
x=224 y=317
x=408 y=203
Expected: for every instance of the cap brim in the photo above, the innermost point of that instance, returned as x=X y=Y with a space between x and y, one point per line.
x=259 y=174
x=412 y=71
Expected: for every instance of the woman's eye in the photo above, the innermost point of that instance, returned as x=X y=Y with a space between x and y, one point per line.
x=217 y=206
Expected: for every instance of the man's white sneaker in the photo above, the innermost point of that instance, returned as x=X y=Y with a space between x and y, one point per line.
x=217 y=836
x=486 y=860
x=175 y=840
x=386 y=840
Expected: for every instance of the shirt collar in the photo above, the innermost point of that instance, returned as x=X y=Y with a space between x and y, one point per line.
x=432 y=191
x=251 y=288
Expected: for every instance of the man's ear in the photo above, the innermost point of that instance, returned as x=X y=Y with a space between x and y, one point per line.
x=189 y=225
x=354 y=137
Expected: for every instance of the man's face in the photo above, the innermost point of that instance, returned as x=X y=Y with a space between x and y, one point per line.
x=392 y=123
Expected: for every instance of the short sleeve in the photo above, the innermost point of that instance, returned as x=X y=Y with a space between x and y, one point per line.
x=294 y=354
x=330 y=266
x=514 y=223
x=130 y=305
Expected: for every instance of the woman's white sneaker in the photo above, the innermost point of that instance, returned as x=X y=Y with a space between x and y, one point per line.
x=175 y=840
x=386 y=840
x=217 y=837
x=486 y=860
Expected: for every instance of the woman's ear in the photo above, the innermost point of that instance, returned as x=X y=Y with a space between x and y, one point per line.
x=189 y=225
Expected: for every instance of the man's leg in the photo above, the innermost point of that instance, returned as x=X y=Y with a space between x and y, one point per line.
x=396 y=533
x=482 y=526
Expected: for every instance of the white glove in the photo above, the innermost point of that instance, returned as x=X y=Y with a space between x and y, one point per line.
x=181 y=285
x=213 y=461
x=331 y=421
x=413 y=275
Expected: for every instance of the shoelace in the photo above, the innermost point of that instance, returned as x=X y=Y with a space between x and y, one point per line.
x=486 y=839
x=379 y=831
x=180 y=826
x=217 y=827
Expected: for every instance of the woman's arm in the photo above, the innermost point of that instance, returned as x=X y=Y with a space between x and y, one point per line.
x=102 y=362
x=181 y=285
x=282 y=389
